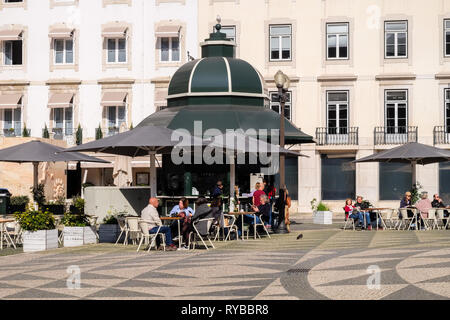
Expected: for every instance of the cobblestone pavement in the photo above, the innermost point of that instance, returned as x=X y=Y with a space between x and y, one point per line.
x=327 y=263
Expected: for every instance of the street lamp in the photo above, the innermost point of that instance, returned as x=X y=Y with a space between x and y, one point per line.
x=282 y=82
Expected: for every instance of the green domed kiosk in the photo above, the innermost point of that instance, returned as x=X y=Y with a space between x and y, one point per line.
x=223 y=93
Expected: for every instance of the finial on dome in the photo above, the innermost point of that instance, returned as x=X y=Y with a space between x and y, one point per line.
x=218 y=25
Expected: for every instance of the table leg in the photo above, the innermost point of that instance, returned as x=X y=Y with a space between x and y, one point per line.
x=254 y=227
x=1 y=236
x=180 y=237
x=242 y=230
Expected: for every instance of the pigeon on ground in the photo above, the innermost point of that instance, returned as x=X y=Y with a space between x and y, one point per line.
x=300 y=236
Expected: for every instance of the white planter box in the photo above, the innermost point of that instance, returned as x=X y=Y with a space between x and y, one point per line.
x=40 y=240
x=78 y=236
x=108 y=233
x=323 y=217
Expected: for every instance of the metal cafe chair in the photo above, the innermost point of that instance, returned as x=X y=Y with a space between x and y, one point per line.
x=261 y=224
x=201 y=233
x=431 y=220
x=123 y=229
x=147 y=236
x=133 y=229
x=440 y=218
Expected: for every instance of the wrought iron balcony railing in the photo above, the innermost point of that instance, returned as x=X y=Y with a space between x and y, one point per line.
x=11 y=133
x=395 y=135
x=441 y=135
x=337 y=136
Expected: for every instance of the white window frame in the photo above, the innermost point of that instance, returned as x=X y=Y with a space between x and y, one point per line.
x=338 y=36
x=65 y=121
x=396 y=33
x=446 y=31
x=338 y=107
x=116 y=125
x=19 y=107
x=64 y=52
x=116 y=51
x=287 y=104
x=170 y=49
x=447 y=114
x=280 y=42
x=228 y=27
x=396 y=103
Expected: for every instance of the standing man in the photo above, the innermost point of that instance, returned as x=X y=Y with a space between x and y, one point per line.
x=218 y=190
x=151 y=216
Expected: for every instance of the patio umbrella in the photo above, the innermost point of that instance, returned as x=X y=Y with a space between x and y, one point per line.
x=413 y=153
x=38 y=151
x=123 y=171
x=141 y=141
x=240 y=143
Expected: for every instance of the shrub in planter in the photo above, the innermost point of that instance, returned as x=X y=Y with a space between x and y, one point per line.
x=39 y=230
x=77 y=230
x=109 y=230
x=78 y=205
x=321 y=213
x=18 y=204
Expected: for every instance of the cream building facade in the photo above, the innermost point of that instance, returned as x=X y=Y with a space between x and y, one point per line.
x=366 y=75
x=96 y=63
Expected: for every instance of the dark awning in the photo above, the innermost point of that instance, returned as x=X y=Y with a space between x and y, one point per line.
x=226 y=117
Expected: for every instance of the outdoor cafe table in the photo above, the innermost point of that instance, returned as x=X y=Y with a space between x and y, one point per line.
x=178 y=220
x=242 y=221
x=3 y=223
x=378 y=213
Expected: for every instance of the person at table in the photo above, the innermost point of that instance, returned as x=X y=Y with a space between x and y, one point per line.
x=151 y=216
x=262 y=210
x=203 y=211
x=258 y=193
x=405 y=203
x=218 y=190
x=216 y=210
x=438 y=203
x=423 y=205
x=181 y=210
x=362 y=208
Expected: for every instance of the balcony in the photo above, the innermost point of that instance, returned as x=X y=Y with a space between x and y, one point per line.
x=112 y=131
x=337 y=136
x=65 y=134
x=395 y=135
x=12 y=133
x=441 y=135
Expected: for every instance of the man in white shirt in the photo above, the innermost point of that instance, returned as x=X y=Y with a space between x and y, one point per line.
x=151 y=216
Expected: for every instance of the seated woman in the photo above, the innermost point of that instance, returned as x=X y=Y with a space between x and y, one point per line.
x=406 y=202
x=262 y=210
x=216 y=210
x=182 y=210
x=203 y=211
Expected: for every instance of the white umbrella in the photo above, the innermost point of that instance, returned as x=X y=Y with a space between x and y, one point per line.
x=123 y=171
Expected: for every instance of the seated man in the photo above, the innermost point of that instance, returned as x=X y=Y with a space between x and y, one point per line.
x=151 y=216
x=264 y=210
x=438 y=203
x=362 y=207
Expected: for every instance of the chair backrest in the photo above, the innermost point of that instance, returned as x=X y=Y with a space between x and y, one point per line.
x=144 y=228
x=403 y=212
x=432 y=214
x=93 y=220
x=133 y=224
x=122 y=223
x=204 y=225
x=387 y=214
x=440 y=213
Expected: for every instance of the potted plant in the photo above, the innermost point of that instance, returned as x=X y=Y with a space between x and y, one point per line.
x=39 y=228
x=78 y=205
x=321 y=213
x=18 y=204
x=56 y=207
x=77 y=230
x=109 y=230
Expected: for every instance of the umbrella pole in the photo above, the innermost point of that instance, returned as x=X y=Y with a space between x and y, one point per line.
x=35 y=174
x=414 y=173
x=153 y=182
x=232 y=181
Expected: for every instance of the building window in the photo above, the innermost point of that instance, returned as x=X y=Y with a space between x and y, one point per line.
x=396 y=114
x=13 y=52
x=338 y=178
x=275 y=104
x=170 y=49
x=280 y=42
x=337 y=112
x=447 y=110
x=396 y=39
x=395 y=180
x=117 y=50
x=63 y=51
x=115 y=117
x=447 y=38
x=62 y=122
x=12 y=1
x=12 y=122
x=337 y=41
x=444 y=182
x=230 y=31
